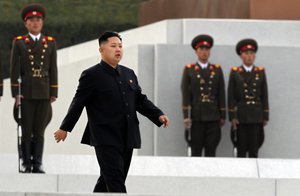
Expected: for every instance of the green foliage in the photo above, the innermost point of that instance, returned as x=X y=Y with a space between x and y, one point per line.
x=69 y=21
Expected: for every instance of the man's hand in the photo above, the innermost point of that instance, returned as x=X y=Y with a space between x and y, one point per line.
x=60 y=135
x=52 y=99
x=187 y=123
x=164 y=120
x=18 y=100
x=235 y=123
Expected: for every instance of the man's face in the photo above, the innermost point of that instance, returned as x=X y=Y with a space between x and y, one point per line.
x=248 y=57
x=34 y=25
x=203 y=54
x=112 y=50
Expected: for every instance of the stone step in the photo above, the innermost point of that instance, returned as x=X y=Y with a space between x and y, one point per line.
x=39 y=184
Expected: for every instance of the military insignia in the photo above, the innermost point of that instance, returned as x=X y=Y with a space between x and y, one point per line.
x=45 y=45
x=245 y=85
x=29 y=50
x=32 y=63
x=234 y=69
x=42 y=56
x=31 y=57
x=27 y=40
x=198 y=76
x=217 y=66
x=202 y=81
x=48 y=38
x=188 y=66
x=44 y=50
x=213 y=73
x=201 y=88
x=196 y=68
x=211 y=76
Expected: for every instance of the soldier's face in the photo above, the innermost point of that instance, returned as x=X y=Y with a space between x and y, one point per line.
x=203 y=54
x=34 y=25
x=248 y=57
x=112 y=50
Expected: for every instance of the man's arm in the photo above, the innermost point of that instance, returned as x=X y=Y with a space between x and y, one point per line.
x=53 y=73
x=265 y=98
x=221 y=96
x=83 y=93
x=1 y=80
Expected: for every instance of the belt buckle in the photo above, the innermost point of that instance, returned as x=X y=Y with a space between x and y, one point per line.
x=37 y=73
x=205 y=99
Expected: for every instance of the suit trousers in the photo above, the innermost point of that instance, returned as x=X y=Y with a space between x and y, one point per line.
x=248 y=139
x=205 y=135
x=114 y=162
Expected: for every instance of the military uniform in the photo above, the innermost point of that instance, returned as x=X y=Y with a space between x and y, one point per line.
x=203 y=91
x=1 y=80
x=36 y=63
x=248 y=103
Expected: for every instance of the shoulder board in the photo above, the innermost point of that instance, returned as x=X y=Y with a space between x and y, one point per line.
x=217 y=66
x=20 y=37
x=48 y=38
x=234 y=68
x=189 y=66
x=261 y=68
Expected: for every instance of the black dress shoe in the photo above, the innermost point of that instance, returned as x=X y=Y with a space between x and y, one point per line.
x=26 y=169
x=38 y=170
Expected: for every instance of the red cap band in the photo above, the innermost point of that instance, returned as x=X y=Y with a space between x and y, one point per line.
x=202 y=43
x=247 y=47
x=33 y=13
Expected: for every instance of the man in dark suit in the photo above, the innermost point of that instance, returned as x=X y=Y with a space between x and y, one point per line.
x=1 y=80
x=111 y=95
x=203 y=93
x=33 y=60
x=248 y=104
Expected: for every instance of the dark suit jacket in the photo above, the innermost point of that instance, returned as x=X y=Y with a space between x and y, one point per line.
x=111 y=98
x=197 y=83
x=27 y=55
x=1 y=80
x=248 y=95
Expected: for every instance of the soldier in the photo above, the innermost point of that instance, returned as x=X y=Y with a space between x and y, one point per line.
x=248 y=100
x=33 y=59
x=203 y=91
x=1 y=80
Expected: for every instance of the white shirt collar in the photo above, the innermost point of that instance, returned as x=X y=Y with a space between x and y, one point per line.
x=248 y=68
x=35 y=36
x=203 y=66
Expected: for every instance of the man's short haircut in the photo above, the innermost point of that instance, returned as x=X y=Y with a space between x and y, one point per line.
x=107 y=34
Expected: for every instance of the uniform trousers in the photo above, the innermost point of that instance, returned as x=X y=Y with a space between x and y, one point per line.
x=248 y=136
x=205 y=135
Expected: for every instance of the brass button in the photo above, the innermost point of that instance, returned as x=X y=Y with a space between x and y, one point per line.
x=42 y=63
x=31 y=57
x=32 y=63
x=29 y=50
x=42 y=56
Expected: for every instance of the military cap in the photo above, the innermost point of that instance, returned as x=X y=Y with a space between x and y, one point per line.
x=33 y=10
x=202 y=41
x=246 y=45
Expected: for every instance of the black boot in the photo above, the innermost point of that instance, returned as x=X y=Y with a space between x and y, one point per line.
x=26 y=157
x=37 y=157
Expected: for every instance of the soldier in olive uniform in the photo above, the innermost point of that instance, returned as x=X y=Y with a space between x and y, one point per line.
x=33 y=59
x=203 y=93
x=1 y=80
x=248 y=100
